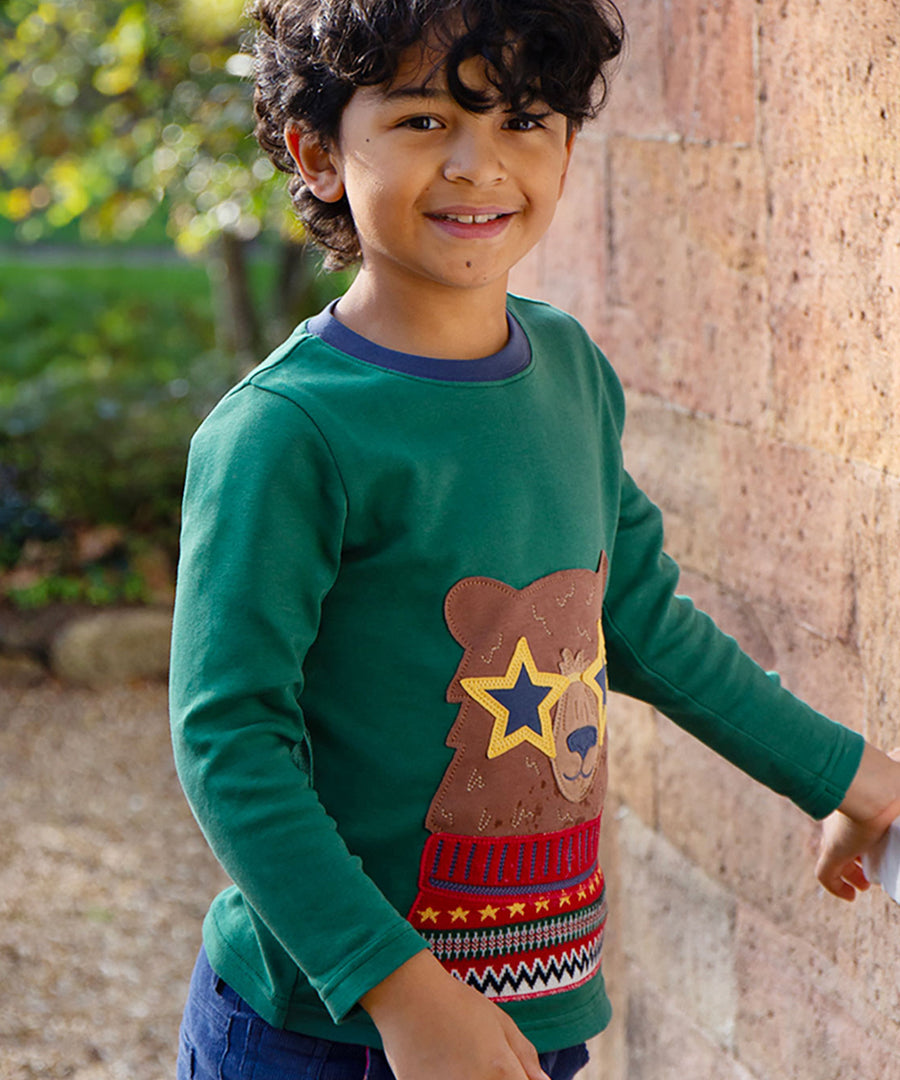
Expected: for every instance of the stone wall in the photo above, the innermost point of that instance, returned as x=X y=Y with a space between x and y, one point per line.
x=730 y=235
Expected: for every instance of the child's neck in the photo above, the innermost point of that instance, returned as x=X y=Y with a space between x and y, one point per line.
x=452 y=324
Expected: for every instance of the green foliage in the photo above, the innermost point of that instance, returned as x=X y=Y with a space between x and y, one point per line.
x=98 y=587
x=98 y=403
x=105 y=373
x=111 y=110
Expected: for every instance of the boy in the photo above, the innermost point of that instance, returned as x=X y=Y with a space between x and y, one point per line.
x=412 y=567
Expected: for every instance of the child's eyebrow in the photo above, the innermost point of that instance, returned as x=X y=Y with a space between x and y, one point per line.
x=401 y=92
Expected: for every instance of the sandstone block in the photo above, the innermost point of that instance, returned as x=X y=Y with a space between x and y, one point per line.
x=834 y=378
x=830 y=86
x=826 y=673
x=784 y=533
x=753 y=843
x=674 y=54
x=526 y=277
x=675 y=457
x=568 y=268
x=799 y=1018
x=575 y=267
x=608 y=1049
x=710 y=45
x=663 y=1043
x=687 y=275
x=634 y=747
x=678 y=927
x=113 y=646
x=875 y=521
x=607 y=1062
x=636 y=105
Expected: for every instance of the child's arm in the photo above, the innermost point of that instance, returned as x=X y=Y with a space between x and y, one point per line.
x=260 y=547
x=870 y=806
x=661 y=649
x=434 y=1026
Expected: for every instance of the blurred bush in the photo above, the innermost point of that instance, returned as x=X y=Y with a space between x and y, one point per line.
x=98 y=402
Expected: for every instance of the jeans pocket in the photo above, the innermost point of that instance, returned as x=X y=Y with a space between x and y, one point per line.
x=268 y=1053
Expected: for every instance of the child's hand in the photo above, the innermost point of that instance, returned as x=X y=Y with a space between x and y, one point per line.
x=844 y=842
x=849 y=833
x=434 y=1026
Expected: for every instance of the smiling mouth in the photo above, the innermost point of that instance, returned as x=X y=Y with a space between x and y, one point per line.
x=470 y=219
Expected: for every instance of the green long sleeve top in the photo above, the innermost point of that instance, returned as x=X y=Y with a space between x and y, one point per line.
x=402 y=598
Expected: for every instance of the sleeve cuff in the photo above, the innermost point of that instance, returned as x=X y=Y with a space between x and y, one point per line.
x=343 y=992
x=838 y=776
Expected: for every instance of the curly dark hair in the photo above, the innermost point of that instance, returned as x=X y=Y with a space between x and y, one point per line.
x=311 y=55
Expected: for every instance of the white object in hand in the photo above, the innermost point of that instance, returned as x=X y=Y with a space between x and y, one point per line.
x=882 y=865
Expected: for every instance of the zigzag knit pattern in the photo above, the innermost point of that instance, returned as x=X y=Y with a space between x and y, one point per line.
x=557 y=973
x=514 y=917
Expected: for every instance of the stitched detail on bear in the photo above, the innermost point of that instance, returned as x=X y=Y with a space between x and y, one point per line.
x=530 y=737
x=594 y=677
x=537 y=904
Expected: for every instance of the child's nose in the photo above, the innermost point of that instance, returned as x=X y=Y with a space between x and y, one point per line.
x=474 y=157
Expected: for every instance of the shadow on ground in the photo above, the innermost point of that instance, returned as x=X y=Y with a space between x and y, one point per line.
x=104 y=881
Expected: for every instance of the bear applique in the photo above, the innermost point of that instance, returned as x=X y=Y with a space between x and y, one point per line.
x=511 y=898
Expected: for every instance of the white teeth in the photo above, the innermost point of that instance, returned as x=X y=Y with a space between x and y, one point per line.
x=471 y=219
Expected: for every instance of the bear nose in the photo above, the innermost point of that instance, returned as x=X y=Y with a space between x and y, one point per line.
x=582 y=740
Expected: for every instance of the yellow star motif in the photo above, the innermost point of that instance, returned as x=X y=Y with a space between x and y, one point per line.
x=589 y=678
x=516 y=909
x=582 y=894
x=480 y=689
x=489 y=912
x=459 y=913
x=564 y=899
x=542 y=905
x=429 y=913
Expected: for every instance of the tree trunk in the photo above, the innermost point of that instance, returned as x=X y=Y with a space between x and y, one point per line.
x=294 y=288
x=237 y=323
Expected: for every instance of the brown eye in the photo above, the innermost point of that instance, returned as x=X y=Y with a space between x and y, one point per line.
x=525 y=122
x=421 y=123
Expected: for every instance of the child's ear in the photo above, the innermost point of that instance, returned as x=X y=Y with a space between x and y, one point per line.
x=316 y=163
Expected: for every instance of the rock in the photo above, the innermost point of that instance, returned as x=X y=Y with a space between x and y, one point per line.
x=33 y=631
x=19 y=669
x=113 y=647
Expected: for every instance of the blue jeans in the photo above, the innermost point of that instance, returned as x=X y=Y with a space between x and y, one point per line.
x=222 y=1038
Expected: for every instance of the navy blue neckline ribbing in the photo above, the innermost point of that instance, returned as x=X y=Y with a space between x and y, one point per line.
x=514 y=357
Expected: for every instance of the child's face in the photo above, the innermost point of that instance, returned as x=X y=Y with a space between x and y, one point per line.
x=439 y=194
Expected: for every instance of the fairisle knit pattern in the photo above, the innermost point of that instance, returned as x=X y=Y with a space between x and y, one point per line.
x=536 y=903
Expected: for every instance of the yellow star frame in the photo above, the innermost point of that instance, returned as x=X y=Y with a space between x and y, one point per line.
x=480 y=690
x=589 y=678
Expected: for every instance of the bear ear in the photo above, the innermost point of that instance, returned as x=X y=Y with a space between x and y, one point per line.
x=475 y=605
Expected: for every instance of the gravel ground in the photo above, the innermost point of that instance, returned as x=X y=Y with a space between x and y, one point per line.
x=104 y=880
